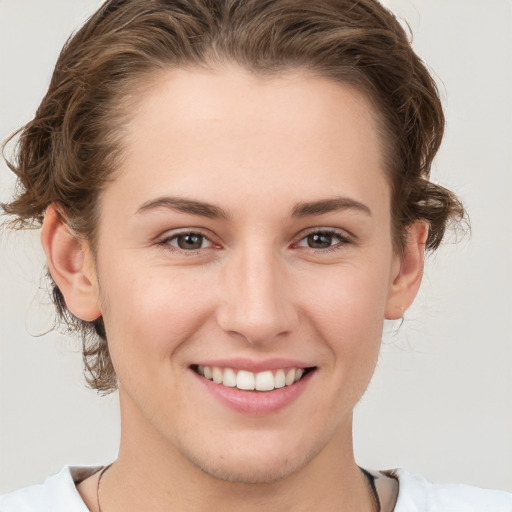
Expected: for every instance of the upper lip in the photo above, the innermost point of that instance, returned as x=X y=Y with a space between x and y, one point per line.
x=252 y=365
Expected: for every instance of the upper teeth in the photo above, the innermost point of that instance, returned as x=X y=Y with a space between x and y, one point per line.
x=243 y=379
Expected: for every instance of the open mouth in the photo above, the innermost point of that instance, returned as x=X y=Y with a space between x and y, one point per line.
x=249 y=381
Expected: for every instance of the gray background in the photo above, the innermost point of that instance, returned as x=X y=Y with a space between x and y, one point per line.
x=441 y=401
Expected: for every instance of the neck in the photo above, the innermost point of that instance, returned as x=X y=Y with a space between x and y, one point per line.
x=150 y=473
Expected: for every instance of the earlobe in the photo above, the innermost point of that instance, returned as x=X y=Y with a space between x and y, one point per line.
x=407 y=277
x=71 y=265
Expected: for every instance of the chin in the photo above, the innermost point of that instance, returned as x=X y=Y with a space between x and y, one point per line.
x=250 y=472
x=253 y=466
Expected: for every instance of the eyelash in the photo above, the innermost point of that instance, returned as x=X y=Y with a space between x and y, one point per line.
x=343 y=240
x=166 y=242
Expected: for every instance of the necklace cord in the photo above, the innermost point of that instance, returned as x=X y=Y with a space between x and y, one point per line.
x=373 y=489
x=103 y=471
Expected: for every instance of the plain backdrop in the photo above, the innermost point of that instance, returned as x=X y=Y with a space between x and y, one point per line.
x=440 y=403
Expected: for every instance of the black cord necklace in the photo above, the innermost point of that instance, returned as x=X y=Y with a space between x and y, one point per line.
x=370 y=479
x=103 y=471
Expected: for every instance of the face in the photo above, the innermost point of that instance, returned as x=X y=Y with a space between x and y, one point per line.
x=246 y=239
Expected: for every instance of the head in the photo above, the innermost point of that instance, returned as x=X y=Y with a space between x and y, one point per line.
x=75 y=158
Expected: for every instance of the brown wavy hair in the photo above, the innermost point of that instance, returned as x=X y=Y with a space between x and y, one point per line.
x=72 y=147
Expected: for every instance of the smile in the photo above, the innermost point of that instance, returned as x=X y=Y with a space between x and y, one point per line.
x=250 y=381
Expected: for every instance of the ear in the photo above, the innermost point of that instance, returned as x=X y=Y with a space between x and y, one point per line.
x=71 y=265
x=407 y=272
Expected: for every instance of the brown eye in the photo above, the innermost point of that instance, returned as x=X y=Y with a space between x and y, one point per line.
x=189 y=241
x=320 y=240
x=324 y=240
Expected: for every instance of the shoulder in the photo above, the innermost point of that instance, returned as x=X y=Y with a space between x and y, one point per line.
x=416 y=494
x=58 y=493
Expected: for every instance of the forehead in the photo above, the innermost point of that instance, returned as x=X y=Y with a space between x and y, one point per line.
x=215 y=132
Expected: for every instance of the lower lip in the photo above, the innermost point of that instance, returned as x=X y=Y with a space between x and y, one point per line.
x=256 y=402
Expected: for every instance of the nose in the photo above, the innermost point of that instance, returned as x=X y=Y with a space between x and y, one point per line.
x=257 y=297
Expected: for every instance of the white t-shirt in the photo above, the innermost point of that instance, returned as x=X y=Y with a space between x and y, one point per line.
x=59 y=494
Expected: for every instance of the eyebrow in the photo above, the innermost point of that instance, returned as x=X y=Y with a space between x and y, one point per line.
x=210 y=211
x=328 y=206
x=183 y=205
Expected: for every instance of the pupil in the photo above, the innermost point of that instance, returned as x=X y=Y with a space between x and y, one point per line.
x=320 y=241
x=190 y=241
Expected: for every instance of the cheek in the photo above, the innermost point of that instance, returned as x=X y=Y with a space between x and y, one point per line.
x=148 y=314
x=347 y=310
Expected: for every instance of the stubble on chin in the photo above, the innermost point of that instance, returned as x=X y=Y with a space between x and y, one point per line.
x=245 y=470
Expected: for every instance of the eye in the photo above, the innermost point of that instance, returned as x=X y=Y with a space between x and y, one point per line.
x=324 y=239
x=188 y=241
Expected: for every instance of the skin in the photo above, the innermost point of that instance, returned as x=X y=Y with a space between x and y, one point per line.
x=255 y=148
